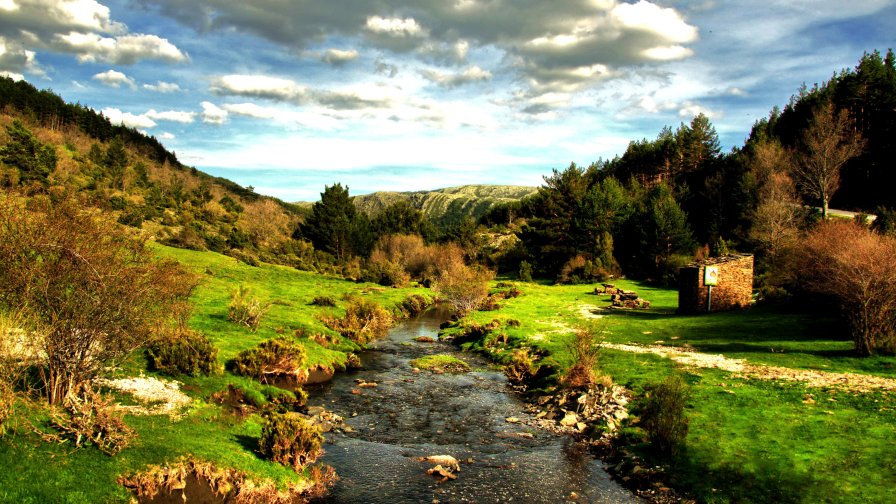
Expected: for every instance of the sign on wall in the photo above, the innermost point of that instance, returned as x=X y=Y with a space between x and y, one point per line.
x=711 y=275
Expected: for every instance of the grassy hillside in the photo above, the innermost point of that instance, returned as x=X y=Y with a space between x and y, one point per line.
x=448 y=206
x=51 y=472
x=755 y=435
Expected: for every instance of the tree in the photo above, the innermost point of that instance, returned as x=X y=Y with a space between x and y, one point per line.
x=34 y=160
x=95 y=292
x=401 y=218
x=329 y=227
x=775 y=222
x=463 y=287
x=824 y=147
x=857 y=268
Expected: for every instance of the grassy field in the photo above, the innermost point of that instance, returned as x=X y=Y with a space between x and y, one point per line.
x=750 y=440
x=40 y=472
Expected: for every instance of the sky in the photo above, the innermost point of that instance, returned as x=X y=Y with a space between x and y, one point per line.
x=291 y=95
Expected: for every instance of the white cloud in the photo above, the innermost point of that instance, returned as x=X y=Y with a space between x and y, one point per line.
x=666 y=23
x=663 y=53
x=172 y=115
x=116 y=116
x=690 y=109
x=167 y=136
x=471 y=74
x=163 y=87
x=396 y=27
x=339 y=56
x=114 y=78
x=260 y=86
x=212 y=114
x=13 y=76
x=121 y=50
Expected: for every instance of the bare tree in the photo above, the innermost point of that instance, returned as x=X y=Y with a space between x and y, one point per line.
x=95 y=292
x=857 y=268
x=776 y=218
x=825 y=146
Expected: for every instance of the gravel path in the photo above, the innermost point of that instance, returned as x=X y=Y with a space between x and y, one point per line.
x=848 y=381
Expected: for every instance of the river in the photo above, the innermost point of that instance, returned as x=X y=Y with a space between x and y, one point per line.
x=409 y=415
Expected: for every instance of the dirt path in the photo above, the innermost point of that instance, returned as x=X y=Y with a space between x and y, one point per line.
x=847 y=381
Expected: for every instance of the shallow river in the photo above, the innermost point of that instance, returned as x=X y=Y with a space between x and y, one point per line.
x=412 y=415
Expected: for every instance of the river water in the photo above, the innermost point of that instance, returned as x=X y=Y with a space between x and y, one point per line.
x=409 y=415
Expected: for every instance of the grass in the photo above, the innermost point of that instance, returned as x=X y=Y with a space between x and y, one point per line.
x=750 y=440
x=441 y=363
x=36 y=471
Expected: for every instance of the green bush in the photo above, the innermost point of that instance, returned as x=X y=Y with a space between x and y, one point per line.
x=414 y=305
x=187 y=353
x=662 y=414
x=245 y=309
x=323 y=301
x=290 y=440
x=525 y=271
x=277 y=357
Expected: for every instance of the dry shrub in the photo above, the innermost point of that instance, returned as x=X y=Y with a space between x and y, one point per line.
x=463 y=287
x=225 y=484
x=290 y=440
x=857 y=268
x=414 y=305
x=183 y=353
x=272 y=358
x=406 y=251
x=523 y=366
x=662 y=414
x=363 y=322
x=323 y=301
x=91 y=418
x=382 y=271
x=491 y=302
x=245 y=309
x=97 y=291
x=18 y=350
x=585 y=351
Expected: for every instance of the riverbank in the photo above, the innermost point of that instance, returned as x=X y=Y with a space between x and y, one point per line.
x=756 y=436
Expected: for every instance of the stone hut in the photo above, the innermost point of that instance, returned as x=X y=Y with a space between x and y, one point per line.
x=733 y=290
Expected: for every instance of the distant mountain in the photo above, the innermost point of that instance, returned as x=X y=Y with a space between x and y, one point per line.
x=447 y=206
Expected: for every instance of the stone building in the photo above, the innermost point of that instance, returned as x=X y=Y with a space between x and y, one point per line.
x=733 y=290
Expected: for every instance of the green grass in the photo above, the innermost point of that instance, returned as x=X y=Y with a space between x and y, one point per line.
x=750 y=440
x=441 y=363
x=39 y=472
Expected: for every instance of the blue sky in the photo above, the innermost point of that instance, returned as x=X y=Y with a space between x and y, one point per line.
x=401 y=95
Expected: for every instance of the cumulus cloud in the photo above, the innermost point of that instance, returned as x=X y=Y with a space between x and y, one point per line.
x=172 y=115
x=394 y=27
x=114 y=78
x=80 y=27
x=452 y=80
x=339 y=56
x=162 y=87
x=116 y=116
x=259 y=86
x=167 y=136
x=14 y=58
x=212 y=114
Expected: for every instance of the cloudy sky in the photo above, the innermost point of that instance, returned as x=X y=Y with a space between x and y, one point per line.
x=289 y=95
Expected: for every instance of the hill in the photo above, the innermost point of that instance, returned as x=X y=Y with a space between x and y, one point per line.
x=444 y=207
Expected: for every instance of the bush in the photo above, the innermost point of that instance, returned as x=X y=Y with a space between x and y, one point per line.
x=585 y=350
x=385 y=272
x=323 y=301
x=245 y=309
x=290 y=440
x=662 y=414
x=525 y=272
x=97 y=291
x=91 y=418
x=580 y=270
x=277 y=357
x=523 y=366
x=187 y=353
x=463 y=287
x=414 y=305
x=363 y=322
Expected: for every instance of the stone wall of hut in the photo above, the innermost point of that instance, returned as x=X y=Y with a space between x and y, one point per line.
x=734 y=291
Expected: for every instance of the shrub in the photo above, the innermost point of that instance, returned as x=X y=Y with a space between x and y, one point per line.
x=463 y=287
x=857 y=268
x=245 y=309
x=585 y=350
x=363 y=322
x=385 y=272
x=276 y=357
x=580 y=270
x=97 y=291
x=188 y=353
x=91 y=418
x=662 y=414
x=290 y=440
x=525 y=274
x=414 y=305
x=323 y=301
x=523 y=366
